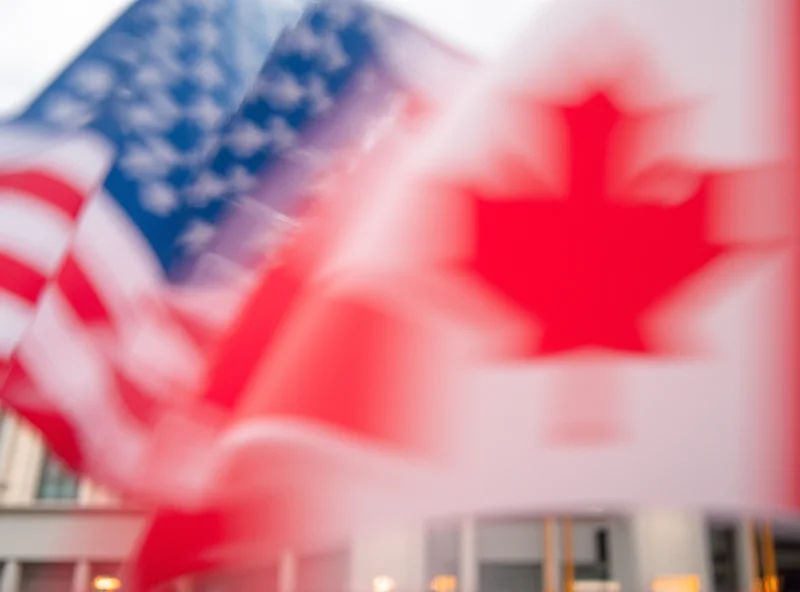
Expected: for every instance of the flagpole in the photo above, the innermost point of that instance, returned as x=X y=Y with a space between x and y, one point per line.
x=569 y=555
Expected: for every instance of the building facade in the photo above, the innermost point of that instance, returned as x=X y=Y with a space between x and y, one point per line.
x=57 y=533
x=60 y=534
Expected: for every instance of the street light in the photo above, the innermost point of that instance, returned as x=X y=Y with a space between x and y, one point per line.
x=106 y=584
x=444 y=583
x=383 y=584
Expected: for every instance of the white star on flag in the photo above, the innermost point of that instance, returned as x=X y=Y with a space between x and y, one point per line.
x=206 y=112
x=209 y=74
x=282 y=90
x=68 y=111
x=159 y=199
x=246 y=139
x=280 y=136
x=318 y=96
x=207 y=188
x=331 y=55
x=95 y=79
x=197 y=235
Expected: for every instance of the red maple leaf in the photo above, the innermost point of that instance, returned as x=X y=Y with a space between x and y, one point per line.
x=588 y=264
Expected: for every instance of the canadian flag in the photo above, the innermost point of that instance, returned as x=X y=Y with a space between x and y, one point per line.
x=578 y=289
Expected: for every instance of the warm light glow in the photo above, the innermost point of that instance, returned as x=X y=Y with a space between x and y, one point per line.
x=676 y=584
x=102 y=583
x=770 y=584
x=596 y=586
x=444 y=583
x=383 y=584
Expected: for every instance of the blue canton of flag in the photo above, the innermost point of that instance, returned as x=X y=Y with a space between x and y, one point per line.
x=326 y=83
x=159 y=83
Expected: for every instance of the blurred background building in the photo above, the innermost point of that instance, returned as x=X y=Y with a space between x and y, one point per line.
x=56 y=533
x=59 y=534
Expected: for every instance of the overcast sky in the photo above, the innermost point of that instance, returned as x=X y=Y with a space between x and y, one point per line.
x=39 y=37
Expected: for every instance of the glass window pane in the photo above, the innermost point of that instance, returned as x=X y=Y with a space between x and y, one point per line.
x=46 y=577
x=497 y=577
x=56 y=481
x=723 y=557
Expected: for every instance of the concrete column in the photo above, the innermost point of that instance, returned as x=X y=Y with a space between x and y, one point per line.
x=622 y=564
x=468 y=562
x=9 y=427
x=287 y=572
x=81 y=577
x=12 y=574
x=24 y=467
x=668 y=543
x=745 y=555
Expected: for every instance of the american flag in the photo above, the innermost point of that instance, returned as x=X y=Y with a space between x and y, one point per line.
x=157 y=86
x=197 y=155
x=45 y=180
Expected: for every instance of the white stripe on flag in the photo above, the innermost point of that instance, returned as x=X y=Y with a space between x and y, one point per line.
x=15 y=316
x=33 y=231
x=71 y=371
x=81 y=160
x=117 y=254
x=124 y=273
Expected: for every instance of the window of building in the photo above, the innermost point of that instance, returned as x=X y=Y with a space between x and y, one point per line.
x=601 y=568
x=46 y=577
x=722 y=539
x=56 y=482
x=787 y=556
x=510 y=577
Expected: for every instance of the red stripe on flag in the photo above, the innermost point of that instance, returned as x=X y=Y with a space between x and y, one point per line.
x=263 y=317
x=267 y=309
x=177 y=543
x=221 y=538
x=61 y=437
x=19 y=279
x=142 y=407
x=47 y=188
x=81 y=294
x=203 y=337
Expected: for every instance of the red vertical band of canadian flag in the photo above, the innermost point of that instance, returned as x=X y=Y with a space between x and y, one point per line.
x=791 y=73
